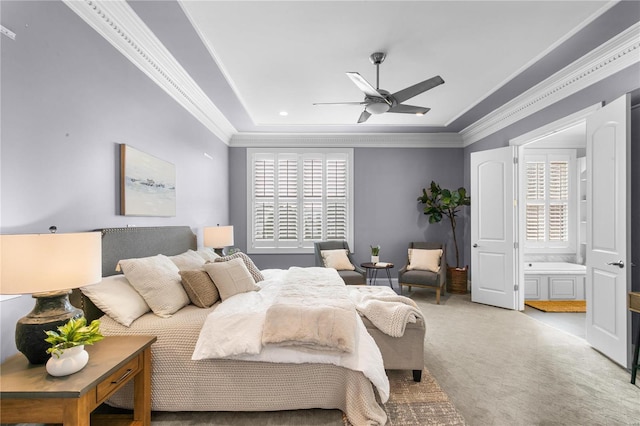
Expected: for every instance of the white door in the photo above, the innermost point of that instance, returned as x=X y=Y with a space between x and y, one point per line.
x=608 y=243
x=493 y=227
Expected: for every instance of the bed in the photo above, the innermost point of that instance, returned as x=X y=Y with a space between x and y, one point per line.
x=180 y=383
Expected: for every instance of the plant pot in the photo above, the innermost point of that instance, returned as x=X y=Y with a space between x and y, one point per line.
x=375 y=259
x=457 y=280
x=68 y=362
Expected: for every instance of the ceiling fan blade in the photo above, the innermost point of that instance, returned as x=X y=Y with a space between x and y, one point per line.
x=364 y=85
x=364 y=116
x=416 y=89
x=409 y=109
x=339 y=103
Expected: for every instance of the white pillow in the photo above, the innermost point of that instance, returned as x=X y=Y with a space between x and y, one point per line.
x=207 y=254
x=116 y=298
x=187 y=261
x=231 y=277
x=424 y=260
x=157 y=279
x=337 y=259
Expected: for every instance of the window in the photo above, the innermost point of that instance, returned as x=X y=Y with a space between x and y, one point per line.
x=550 y=208
x=298 y=196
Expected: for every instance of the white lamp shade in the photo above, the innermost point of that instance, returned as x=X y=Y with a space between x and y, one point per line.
x=218 y=236
x=38 y=263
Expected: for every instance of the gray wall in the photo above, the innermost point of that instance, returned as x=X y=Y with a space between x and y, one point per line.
x=68 y=99
x=387 y=183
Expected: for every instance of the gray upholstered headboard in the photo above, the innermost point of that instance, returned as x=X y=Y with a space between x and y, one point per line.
x=135 y=242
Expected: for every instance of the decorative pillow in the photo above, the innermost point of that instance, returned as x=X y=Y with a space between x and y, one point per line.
x=157 y=280
x=337 y=259
x=201 y=290
x=116 y=298
x=207 y=254
x=231 y=277
x=188 y=260
x=424 y=260
x=253 y=269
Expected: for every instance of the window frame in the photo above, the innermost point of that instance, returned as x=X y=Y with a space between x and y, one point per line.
x=553 y=247
x=300 y=154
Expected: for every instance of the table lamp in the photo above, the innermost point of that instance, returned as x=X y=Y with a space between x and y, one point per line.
x=218 y=237
x=47 y=266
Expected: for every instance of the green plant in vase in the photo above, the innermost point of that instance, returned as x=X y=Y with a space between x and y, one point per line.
x=375 y=254
x=75 y=332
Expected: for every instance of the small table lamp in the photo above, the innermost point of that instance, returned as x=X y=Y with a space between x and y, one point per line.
x=47 y=266
x=218 y=237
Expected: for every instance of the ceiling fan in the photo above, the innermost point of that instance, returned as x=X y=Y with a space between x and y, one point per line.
x=378 y=101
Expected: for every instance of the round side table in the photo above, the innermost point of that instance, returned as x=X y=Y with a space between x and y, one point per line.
x=373 y=268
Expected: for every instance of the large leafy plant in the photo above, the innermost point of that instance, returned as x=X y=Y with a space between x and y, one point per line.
x=75 y=332
x=440 y=203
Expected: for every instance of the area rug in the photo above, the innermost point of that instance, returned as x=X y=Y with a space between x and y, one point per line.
x=558 y=305
x=418 y=403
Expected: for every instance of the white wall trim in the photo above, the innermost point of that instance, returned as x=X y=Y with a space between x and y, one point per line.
x=118 y=23
x=351 y=140
x=555 y=127
x=612 y=56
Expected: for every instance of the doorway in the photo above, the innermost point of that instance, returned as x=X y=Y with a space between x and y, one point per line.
x=552 y=190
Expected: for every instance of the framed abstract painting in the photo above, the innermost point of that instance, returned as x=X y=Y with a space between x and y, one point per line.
x=147 y=184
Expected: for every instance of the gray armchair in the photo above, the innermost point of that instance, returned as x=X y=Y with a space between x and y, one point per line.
x=355 y=277
x=420 y=278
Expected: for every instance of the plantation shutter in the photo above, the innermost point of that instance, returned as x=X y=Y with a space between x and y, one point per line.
x=287 y=190
x=299 y=198
x=313 y=178
x=336 y=199
x=263 y=196
x=547 y=210
x=558 y=201
x=535 y=211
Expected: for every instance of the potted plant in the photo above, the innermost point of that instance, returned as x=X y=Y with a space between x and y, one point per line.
x=67 y=345
x=440 y=203
x=375 y=254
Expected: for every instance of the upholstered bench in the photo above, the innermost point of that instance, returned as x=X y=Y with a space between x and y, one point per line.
x=401 y=353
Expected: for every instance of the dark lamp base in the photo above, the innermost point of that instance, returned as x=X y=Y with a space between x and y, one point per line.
x=51 y=311
x=219 y=251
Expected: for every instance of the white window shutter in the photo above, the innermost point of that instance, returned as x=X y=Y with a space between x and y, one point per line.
x=298 y=196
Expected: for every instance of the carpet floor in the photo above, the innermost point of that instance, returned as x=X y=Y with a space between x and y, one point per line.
x=558 y=305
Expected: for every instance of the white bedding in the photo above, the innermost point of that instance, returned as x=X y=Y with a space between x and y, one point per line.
x=244 y=314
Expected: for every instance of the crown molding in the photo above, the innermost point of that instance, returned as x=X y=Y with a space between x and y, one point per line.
x=350 y=140
x=612 y=56
x=118 y=23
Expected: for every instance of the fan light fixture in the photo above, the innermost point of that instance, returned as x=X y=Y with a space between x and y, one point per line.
x=377 y=108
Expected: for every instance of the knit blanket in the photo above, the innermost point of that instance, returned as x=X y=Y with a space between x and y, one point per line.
x=388 y=311
x=312 y=309
x=235 y=329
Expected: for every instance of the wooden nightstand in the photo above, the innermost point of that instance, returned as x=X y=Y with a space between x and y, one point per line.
x=28 y=394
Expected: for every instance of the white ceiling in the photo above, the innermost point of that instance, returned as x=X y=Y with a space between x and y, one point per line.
x=286 y=55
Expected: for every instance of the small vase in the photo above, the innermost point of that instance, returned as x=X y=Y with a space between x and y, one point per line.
x=375 y=259
x=70 y=361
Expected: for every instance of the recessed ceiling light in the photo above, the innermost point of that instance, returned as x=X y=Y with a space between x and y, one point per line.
x=419 y=113
x=284 y=113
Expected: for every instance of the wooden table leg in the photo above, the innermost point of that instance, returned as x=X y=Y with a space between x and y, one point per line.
x=77 y=411
x=634 y=366
x=142 y=390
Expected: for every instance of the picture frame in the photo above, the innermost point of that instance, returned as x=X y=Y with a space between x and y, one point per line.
x=147 y=184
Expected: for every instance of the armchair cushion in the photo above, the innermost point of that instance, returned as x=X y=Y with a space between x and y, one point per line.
x=426 y=260
x=337 y=259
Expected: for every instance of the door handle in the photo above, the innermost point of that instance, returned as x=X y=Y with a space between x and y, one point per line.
x=475 y=245
x=619 y=263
